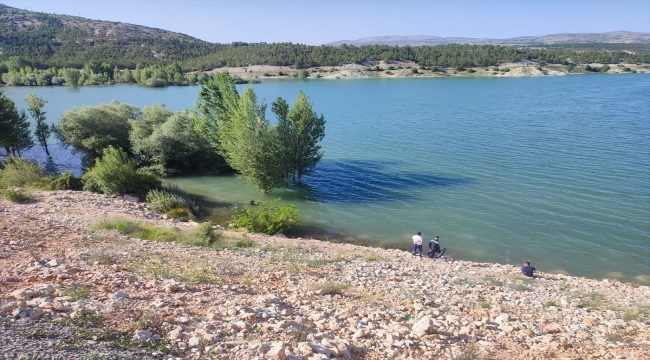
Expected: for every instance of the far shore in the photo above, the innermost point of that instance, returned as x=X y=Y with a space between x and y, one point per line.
x=406 y=69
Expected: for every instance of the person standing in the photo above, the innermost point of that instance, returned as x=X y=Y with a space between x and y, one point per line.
x=417 y=244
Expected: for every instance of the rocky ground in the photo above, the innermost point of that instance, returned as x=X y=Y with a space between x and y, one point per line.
x=401 y=69
x=69 y=291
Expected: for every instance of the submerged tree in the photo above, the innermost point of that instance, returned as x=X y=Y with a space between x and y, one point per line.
x=300 y=130
x=15 y=135
x=43 y=129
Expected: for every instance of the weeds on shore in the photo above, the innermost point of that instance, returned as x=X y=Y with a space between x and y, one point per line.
x=76 y=291
x=470 y=351
x=330 y=288
x=550 y=303
x=592 y=301
x=203 y=235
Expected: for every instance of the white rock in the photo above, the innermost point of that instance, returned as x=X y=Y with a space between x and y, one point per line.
x=193 y=341
x=131 y=198
x=423 y=327
x=143 y=335
x=277 y=352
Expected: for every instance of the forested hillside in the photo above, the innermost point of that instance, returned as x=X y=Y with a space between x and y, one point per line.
x=42 y=46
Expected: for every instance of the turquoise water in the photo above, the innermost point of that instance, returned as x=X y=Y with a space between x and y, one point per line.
x=555 y=170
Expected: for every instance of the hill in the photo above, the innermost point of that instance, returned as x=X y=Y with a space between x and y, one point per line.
x=626 y=37
x=35 y=47
x=63 y=40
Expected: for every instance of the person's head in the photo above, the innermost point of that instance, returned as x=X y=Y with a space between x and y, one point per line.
x=527 y=263
x=437 y=238
x=419 y=233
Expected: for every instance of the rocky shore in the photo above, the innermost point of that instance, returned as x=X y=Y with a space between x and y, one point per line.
x=405 y=69
x=70 y=291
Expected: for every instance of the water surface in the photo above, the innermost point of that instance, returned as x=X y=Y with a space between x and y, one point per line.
x=555 y=170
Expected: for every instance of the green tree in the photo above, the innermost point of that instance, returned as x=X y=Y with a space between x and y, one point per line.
x=250 y=145
x=43 y=129
x=15 y=135
x=300 y=131
x=237 y=128
x=172 y=146
x=71 y=77
x=91 y=129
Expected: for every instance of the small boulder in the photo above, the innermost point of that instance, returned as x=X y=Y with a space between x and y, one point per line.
x=143 y=335
x=277 y=352
x=423 y=327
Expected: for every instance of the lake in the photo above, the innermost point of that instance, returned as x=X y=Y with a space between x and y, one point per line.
x=555 y=170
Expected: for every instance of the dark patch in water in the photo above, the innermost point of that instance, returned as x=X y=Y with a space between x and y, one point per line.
x=365 y=181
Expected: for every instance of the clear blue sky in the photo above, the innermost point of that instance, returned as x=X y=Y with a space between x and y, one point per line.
x=317 y=21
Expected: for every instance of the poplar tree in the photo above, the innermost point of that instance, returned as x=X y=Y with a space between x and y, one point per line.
x=43 y=129
x=300 y=130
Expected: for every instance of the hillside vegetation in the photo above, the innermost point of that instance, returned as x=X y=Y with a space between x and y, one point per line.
x=32 y=41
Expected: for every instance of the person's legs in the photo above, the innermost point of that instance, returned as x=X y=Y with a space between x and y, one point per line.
x=415 y=247
x=419 y=249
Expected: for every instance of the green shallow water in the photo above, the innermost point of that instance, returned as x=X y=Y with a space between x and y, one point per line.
x=555 y=170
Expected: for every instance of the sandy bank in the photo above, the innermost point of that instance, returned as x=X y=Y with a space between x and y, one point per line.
x=404 y=69
x=284 y=298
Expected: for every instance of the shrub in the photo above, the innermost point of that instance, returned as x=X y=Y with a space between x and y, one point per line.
x=65 y=181
x=171 y=197
x=330 y=288
x=115 y=173
x=17 y=196
x=414 y=71
x=205 y=233
x=18 y=172
x=267 y=217
x=180 y=213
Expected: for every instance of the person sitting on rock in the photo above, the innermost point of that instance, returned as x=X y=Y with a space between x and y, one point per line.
x=434 y=247
x=528 y=270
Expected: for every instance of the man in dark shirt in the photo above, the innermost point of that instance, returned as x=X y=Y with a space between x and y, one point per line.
x=528 y=270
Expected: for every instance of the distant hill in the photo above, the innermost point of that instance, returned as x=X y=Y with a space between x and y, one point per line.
x=31 y=42
x=608 y=37
x=63 y=40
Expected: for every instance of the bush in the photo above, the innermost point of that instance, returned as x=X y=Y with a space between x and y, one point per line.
x=171 y=197
x=65 y=181
x=205 y=233
x=115 y=173
x=267 y=217
x=18 y=172
x=414 y=71
x=16 y=195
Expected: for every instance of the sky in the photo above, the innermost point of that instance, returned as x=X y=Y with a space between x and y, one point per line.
x=316 y=22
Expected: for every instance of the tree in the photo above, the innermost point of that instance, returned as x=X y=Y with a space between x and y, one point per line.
x=250 y=144
x=171 y=146
x=300 y=130
x=71 y=77
x=91 y=129
x=237 y=129
x=43 y=130
x=14 y=127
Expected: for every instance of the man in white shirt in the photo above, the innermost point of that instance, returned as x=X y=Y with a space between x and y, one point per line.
x=417 y=244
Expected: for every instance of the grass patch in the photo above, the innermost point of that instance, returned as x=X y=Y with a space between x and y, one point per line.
x=76 y=291
x=187 y=272
x=17 y=196
x=486 y=304
x=330 y=288
x=592 y=301
x=520 y=287
x=470 y=351
x=640 y=313
x=103 y=259
x=620 y=337
x=203 y=235
x=145 y=321
x=84 y=321
x=550 y=303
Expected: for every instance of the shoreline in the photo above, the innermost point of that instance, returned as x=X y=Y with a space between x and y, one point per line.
x=284 y=298
x=404 y=69
x=400 y=70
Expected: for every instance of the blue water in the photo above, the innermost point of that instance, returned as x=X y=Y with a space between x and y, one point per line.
x=555 y=170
